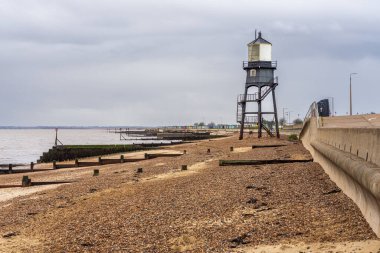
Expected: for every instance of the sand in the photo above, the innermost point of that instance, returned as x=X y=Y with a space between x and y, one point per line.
x=341 y=247
x=11 y=193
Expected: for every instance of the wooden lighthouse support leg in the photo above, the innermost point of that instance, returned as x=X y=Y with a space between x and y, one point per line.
x=260 y=123
x=275 y=114
x=243 y=105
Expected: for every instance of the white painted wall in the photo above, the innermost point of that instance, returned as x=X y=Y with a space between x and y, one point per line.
x=260 y=52
x=265 y=52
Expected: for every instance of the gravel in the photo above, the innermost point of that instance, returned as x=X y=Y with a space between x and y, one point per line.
x=206 y=208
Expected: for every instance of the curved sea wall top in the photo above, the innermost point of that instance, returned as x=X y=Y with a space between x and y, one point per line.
x=348 y=148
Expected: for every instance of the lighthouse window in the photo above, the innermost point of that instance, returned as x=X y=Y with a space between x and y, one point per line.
x=252 y=72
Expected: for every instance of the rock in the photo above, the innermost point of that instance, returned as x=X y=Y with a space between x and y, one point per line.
x=86 y=244
x=9 y=234
x=242 y=239
x=336 y=190
x=259 y=204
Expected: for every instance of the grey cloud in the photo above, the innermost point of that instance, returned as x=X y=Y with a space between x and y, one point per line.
x=175 y=62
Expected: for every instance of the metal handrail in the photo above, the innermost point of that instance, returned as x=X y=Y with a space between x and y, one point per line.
x=312 y=112
x=247 y=119
x=270 y=64
x=254 y=96
x=250 y=97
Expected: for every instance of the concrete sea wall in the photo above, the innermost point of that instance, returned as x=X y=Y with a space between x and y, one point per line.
x=351 y=157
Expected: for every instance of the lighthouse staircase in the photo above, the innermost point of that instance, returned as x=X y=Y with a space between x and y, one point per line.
x=242 y=99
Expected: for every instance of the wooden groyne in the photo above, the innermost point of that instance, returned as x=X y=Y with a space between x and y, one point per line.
x=188 y=136
x=156 y=134
x=101 y=161
x=71 y=152
x=261 y=162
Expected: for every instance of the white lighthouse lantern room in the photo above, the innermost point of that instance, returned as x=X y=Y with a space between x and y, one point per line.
x=259 y=50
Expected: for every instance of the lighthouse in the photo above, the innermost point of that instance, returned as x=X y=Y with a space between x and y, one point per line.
x=260 y=83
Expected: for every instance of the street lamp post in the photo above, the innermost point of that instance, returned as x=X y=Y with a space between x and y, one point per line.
x=283 y=113
x=286 y=119
x=351 y=74
x=289 y=116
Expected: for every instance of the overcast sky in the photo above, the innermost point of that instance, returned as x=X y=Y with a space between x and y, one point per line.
x=169 y=62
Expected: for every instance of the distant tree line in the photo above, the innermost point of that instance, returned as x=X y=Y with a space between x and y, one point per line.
x=297 y=121
x=269 y=123
x=202 y=124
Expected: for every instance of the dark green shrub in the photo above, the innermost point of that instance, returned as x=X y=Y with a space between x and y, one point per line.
x=293 y=137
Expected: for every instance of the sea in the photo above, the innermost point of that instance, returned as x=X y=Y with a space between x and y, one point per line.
x=19 y=146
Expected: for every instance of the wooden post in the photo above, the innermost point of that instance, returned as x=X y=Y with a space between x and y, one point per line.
x=54 y=165
x=146 y=156
x=184 y=167
x=26 y=181
x=96 y=172
x=10 y=168
x=56 y=138
x=100 y=160
x=31 y=166
x=76 y=163
x=231 y=149
x=122 y=158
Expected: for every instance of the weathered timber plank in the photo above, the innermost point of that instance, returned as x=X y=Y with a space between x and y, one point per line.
x=150 y=156
x=259 y=162
x=268 y=145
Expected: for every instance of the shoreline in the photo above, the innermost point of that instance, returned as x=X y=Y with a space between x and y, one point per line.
x=25 y=147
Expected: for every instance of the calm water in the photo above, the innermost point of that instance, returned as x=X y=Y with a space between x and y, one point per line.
x=27 y=145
